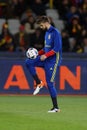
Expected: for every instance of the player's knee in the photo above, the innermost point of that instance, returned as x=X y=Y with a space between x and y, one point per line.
x=27 y=62
x=50 y=84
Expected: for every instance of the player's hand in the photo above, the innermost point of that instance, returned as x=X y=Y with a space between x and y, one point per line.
x=43 y=57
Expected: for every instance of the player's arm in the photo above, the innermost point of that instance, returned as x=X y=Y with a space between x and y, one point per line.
x=41 y=52
x=50 y=53
x=46 y=55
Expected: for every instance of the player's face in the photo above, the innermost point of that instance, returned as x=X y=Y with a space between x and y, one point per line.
x=43 y=26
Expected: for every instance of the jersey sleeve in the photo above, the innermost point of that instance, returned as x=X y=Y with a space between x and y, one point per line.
x=50 y=53
x=41 y=52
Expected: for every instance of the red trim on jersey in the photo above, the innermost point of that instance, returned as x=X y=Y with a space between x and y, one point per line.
x=41 y=52
x=50 y=53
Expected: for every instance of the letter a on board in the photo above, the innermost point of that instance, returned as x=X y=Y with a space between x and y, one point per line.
x=20 y=78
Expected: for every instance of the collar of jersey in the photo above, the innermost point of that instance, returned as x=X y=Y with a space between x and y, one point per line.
x=50 y=29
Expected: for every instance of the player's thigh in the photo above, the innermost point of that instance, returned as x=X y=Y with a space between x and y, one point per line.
x=35 y=62
x=50 y=70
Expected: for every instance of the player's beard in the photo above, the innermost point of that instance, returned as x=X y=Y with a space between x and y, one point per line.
x=44 y=29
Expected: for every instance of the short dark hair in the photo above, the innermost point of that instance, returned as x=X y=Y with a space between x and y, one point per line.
x=42 y=19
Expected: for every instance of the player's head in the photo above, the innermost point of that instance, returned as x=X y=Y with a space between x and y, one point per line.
x=44 y=22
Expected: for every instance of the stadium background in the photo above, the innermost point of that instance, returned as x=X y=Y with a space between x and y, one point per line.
x=19 y=109
x=18 y=32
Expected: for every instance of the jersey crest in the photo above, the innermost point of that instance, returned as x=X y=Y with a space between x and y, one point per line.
x=49 y=36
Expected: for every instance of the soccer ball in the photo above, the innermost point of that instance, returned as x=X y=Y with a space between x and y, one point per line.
x=32 y=53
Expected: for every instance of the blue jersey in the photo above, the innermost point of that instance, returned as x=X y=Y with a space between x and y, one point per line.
x=53 y=41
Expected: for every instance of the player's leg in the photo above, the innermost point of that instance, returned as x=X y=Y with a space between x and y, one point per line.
x=50 y=77
x=31 y=64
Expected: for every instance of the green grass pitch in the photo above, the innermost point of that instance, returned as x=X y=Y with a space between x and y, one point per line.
x=30 y=113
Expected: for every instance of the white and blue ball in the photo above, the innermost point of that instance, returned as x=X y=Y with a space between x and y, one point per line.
x=32 y=53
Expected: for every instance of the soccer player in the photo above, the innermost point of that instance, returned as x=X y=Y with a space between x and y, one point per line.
x=49 y=58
